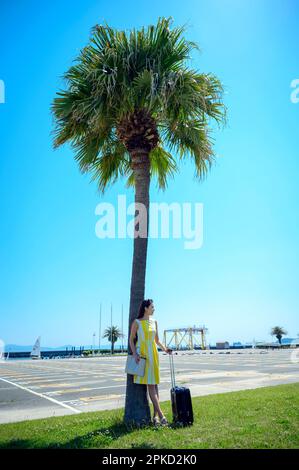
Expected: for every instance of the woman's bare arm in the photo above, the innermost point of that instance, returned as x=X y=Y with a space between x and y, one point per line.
x=134 y=328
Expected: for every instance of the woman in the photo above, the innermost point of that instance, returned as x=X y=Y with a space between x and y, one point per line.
x=146 y=329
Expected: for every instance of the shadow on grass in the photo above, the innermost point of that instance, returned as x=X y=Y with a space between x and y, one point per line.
x=145 y=445
x=101 y=437
x=105 y=437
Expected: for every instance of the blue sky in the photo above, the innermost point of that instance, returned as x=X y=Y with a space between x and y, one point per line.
x=55 y=272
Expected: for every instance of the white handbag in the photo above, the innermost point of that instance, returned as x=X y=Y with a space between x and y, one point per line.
x=134 y=368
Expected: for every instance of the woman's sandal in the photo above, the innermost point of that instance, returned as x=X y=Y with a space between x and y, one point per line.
x=156 y=421
x=164 y=421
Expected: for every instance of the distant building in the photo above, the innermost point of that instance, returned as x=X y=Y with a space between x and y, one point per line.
x=238 y=344
x=285 y=344
x=222 y=345
x=289 y=341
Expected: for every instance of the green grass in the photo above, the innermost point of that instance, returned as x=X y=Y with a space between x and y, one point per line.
x=261 y=418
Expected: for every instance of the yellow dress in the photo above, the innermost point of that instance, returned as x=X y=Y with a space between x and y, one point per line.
x=146 y=347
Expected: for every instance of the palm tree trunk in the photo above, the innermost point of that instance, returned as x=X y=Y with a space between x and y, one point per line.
x=137 y=410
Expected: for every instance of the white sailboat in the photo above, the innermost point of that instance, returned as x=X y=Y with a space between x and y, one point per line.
x=35 y=353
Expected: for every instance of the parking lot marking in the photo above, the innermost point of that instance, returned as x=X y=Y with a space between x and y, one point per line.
x=41 y=395
x=75 y=390
x=101 y=397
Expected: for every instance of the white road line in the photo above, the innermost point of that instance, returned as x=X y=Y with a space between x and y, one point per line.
x=82 y=371
x=42 y=396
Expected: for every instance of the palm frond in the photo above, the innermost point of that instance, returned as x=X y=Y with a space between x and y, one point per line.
x=163 y=166
x=191 y=139
x=113 y=163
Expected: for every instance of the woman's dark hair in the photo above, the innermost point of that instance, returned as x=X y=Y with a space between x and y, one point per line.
x=144 y=304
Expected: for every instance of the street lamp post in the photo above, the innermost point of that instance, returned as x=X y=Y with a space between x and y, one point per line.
x=122 y=328
x=111 y=328
x=100 y=328
x=93 y=343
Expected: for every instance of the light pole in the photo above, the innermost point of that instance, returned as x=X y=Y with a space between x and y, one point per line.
x=122 y=328
x=100 y=328
x=111 y=328
x=93 y=343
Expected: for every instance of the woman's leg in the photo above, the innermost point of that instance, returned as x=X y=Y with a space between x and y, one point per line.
x=157 y=392
x=154 y=405
x=152 y=389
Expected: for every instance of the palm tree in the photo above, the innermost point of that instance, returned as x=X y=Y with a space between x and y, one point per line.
x=113 y=334
x=130 y=107
x=278 y=331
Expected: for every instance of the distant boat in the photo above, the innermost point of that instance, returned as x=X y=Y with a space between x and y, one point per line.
x=35 y=353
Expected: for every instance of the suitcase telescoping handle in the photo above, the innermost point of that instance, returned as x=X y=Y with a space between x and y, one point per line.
x=172 y=370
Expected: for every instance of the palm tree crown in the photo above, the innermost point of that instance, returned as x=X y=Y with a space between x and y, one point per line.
x=278 y=331
x=112 y=333
x=133 y=90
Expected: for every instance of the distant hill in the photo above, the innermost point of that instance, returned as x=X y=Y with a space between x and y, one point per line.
x=17 y=347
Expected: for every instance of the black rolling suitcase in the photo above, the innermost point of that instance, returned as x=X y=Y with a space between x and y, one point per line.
x=181 y=403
